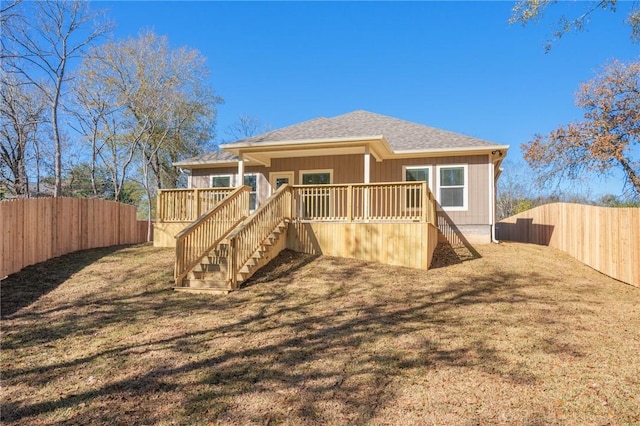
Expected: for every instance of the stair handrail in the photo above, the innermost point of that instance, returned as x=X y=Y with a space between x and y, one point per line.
x=246 y=238
x=195 y=241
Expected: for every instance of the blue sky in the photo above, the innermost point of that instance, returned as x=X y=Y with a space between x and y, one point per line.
x=454 y=65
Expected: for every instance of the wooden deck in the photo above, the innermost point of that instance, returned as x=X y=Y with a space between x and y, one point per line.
x=392 y=223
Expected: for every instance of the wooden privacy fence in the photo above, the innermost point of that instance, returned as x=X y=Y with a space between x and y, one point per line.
x=34 y=230
x=607 y=239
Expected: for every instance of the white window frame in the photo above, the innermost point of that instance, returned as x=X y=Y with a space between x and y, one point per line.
x=325 y=207
x=274 y=175
x=219 y=176
x=404 y=179
x=465 y=187
x=430 y=167
x=317 y=171
x=257 y=191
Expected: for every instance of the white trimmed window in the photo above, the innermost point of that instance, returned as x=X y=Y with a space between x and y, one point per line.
x=415 y=174
x=221 y=181
x=316 y=177
x=251 y=180
x=452 y=187
x=316 y=201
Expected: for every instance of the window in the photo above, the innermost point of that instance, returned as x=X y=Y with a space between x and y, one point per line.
x=316 y=178
x=221 y=181
x=415 y=174
x=452 y=184
x=251 y=180
x=315 y=201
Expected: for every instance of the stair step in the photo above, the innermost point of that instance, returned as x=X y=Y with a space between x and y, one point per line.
x=202 y=290
x=204 y=283
x=214 y=260
x=207 y=275
x=209 y=267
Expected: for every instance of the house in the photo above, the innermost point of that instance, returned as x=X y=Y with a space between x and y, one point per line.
x=358 y=182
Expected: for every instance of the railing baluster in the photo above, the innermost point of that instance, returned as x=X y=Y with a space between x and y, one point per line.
x=397 y=201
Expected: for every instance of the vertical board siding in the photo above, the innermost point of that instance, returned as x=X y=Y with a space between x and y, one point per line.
x=406 y=244
x=350 y=169
x=34 y=230
x=607 y=239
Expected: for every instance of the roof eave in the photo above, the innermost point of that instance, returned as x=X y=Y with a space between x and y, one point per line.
x=237 y=147
x=442 y=152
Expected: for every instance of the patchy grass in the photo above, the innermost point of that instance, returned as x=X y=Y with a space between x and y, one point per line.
x=514 y=334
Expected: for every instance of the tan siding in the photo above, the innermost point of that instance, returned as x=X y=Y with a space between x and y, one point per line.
x=346 y=168
x=350 y=169
x=201 y=178
x=478 y=179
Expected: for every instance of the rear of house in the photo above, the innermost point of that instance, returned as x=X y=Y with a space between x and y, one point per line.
x=360 y=159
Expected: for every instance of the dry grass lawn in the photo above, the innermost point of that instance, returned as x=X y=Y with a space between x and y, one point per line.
x=515 y=334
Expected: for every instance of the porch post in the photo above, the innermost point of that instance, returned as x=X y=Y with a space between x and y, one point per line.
x=240 y=180
x=367 y=165
x=366 y=180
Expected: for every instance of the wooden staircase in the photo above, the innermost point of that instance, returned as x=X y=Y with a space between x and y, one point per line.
x=212 y=275
x=224 y=247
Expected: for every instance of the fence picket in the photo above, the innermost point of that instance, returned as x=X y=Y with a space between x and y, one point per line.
x=604 y=238
x=36 y=229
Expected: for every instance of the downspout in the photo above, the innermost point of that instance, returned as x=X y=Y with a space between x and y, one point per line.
x=492 y=197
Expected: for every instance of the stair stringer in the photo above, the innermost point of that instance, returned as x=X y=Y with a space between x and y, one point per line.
x=269 y=249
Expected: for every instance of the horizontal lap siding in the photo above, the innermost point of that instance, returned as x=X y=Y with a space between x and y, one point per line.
x=34 y=230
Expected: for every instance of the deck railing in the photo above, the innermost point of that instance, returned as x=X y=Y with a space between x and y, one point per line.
x=397 y=201
x=196 y=240
x=247 y=237
x=186 y=205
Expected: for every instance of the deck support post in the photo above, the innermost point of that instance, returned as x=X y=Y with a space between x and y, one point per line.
x=240 y=181
x=367 y=179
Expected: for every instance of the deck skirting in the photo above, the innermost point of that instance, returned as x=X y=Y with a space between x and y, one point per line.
x=401 y=244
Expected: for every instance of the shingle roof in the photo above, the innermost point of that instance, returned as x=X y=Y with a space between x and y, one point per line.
x=209 y=158
x=402 y=135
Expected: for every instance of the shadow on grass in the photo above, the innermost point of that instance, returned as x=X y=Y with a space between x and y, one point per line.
x=446 y=254
x=296 y=354
x=31 y=283
x=281 y=267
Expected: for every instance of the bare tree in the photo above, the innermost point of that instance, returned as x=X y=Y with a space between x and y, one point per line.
x=41 y=41
x=608 y=138
x=245 y=127
x=162 y=108
x=526 y=11
x=21 y=112
x=515 y=188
